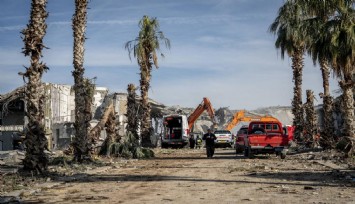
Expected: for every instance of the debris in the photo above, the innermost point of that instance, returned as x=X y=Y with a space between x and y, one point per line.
x=11 y=157
x=247 y=199
x=9 y=199
x=311 y=157
x=284 y=187
x=167 y=199
x=309 y=188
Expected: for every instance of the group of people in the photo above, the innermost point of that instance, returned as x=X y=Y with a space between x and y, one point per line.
x=209 y=138
x=195 y=143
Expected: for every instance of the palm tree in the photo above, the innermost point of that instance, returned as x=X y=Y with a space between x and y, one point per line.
x=291 y=40
x=317 y=13
x=341 y=29
x=82 y=118
x=145 y=48
x=333 y=40
x=36 y=141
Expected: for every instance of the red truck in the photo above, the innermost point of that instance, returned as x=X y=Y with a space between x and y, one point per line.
x=265 y=138
x=239 y=139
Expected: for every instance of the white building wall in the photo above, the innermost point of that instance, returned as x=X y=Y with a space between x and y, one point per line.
x=61 y=103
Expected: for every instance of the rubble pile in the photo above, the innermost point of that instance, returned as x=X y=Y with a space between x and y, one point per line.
x=282 y=113
x=11 y=157
x=224 y=115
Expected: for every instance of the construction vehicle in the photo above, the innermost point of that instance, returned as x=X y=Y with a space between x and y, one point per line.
x=204 y=105
x=177 y=128
x=175 y=131
x=243 y=116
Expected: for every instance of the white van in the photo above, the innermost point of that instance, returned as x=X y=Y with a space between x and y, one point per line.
x=175 y=131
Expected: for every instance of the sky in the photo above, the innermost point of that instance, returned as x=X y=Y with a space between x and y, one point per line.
x=220 y=49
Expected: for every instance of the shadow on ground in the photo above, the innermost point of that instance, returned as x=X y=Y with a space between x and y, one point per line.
x=316 y=178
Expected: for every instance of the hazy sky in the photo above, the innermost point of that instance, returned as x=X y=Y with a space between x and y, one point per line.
x=221 y=49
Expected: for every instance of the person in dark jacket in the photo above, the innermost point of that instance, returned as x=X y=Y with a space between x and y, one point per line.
x=209 y=137
x=192 y=142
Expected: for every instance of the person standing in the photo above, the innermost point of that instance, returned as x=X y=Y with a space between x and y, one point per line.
x=198 y=142
x=192 y=142
x=209 y=137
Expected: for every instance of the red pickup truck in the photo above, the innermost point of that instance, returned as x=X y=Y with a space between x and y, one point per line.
x=239 y=140
x=265 y=138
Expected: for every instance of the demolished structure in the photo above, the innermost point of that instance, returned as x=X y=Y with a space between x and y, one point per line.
x=59 y=115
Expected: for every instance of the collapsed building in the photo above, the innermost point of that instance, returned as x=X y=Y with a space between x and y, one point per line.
x=58 y=115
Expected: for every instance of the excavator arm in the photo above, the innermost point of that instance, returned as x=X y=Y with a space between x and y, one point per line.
x=241 y=117
x=238 y=116
x=204 y=105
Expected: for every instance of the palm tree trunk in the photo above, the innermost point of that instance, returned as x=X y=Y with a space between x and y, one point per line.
x=81 y=125
x=297 y=110
x=310 y=125
x=348 y=106
x=132 y=111
x=107 y=118
x=36 y=141
x=327 y=134
x=146 y=68
x=109 y=121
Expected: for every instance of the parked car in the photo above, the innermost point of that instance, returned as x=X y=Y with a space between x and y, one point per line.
x=239 y=139
x=224 y=138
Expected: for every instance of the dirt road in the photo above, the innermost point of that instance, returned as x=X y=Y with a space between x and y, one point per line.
x=187 y=176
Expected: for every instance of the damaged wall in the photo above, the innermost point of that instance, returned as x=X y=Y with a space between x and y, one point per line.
x=59 y=114
x=12 y=118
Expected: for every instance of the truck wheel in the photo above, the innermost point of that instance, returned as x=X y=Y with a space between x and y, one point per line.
x=246 y=153
x=238 y=149
x=282 y=155
x=250 y=153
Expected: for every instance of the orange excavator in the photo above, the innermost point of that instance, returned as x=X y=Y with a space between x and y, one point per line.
x=241 y=116
x=204 y=105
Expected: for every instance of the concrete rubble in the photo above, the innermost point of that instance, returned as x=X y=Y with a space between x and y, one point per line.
x=11 y=157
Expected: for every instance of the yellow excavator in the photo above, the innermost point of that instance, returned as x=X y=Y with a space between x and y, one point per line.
x=241 y=116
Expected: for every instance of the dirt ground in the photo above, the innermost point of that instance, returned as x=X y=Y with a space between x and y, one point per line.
x=187 y=176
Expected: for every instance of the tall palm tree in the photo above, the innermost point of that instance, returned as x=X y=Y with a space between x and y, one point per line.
x=333 y=41
x=145 y=48
x=81 y=140
x=36 y=141
x=291 y=40
x=317 y=13
x=341 y=29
